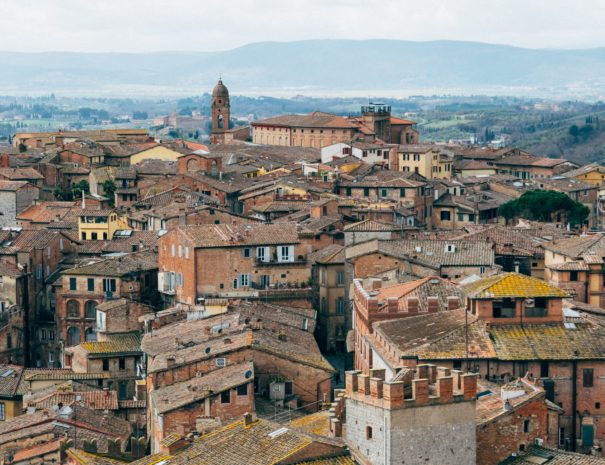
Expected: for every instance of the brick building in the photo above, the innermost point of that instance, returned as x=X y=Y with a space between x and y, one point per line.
x=83 y=288
x=230 y=260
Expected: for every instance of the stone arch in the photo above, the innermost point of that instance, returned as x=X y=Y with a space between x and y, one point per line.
x=73 y=336
x=90 y=310
x=73 y=309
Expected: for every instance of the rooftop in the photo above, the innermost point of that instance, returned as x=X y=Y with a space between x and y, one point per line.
x=511 y=285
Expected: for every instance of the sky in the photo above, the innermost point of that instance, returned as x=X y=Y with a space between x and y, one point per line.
x=205 y=25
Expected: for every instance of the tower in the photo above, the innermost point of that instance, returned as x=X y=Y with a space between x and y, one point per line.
x=221 y=112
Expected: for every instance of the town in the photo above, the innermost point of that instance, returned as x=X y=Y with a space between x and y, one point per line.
x=306 y=289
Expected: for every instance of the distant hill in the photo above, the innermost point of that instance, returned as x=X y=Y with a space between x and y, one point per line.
x=365 y=68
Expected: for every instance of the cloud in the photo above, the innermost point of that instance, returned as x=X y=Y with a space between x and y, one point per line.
x=204 y=25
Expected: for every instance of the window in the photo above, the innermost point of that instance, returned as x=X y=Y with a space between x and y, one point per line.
x=471 y=217
x=401 y=192
x=172 y=250
x=262 y=254
x=180 y=251
x=383 y=193
x=348 y=192
x=445 y=215
x=244 y=280
x=225 y=397
x=242 y=390
x=366 y=191
x=186 y=252
x=544 y=369
x=588 y=377
x=573 y=275
x=90 y=310
x=105 y=364
x=84 y=236
x=368 y=432
x=109 y=285
x=286 y=253
x=2 y=411
x=43 y=335
x=73 y=309
x=340 y=305
x=305 y=324
x=503 y=308
x=526 y=426
x=460 y=216
x=90 y=284
x=537 y=307
x=122 y=363
x=72 y=284
x=416 y=157
x=122 y=390
x=246 y=252
x=340 y=278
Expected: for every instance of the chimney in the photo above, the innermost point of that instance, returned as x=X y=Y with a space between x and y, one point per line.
x=453 y=302
x=247 y=419
x=83 y=200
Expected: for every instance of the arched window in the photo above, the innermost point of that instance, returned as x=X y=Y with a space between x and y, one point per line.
x=90 y=310
x=220 y=121
x=192 y=164
x=73 y=309
x=90 y=335
x=73 y=336
x=213 y=168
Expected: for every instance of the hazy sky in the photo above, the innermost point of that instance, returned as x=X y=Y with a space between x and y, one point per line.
x=151 y=25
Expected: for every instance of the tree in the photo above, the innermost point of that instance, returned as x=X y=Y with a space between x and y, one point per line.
x=109 y=188
x=545 y=205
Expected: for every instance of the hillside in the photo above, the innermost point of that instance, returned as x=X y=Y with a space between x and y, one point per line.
x=328 y=67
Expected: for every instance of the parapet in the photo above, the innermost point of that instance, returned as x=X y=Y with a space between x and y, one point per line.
x=430 y=385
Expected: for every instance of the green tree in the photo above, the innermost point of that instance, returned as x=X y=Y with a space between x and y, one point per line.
x=545 y=205
x=109 y=188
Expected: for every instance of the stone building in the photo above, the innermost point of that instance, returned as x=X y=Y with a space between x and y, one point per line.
x=423 y=415
x=15 y=196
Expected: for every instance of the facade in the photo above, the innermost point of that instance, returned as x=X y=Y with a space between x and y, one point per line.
x=15 y=196
x=230 y=260
x=100 y=225
x=426 y=160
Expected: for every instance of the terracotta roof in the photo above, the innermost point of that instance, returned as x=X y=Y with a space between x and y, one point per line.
x=57 y=374
x=569 y=266
x=396 y=121
x=225 y=235
x=584 y=170
x=38 y=450
x=434 y=253
x=372 y=225
x=181 y=394
x=575 y=247
x=13 y=185
x=432 y=286
x=86 y=458
x=10 y=379
x=118 y=344
x=94 y=399
x=333 y=253
x=314 y=423
x=260 y=443
x=540 y=455
x=490 y=405
x=117 y=266
x=316 y=119
x=511 y=285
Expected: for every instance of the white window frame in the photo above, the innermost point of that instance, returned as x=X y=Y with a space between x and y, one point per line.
x=263 y=254
x=288 y=257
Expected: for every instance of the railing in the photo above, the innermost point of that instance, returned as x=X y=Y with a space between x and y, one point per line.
x=273 y=262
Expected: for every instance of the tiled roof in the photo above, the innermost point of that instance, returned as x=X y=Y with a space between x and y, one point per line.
x=261 y=443
x=511 y=285
x=312 y=120
x=340 y=460
x=575 y=247
x=180 y=394
x=432 y=286
x=12 y=185
x=30 y=453
x=333 y=253
x=96 y=400
x=314 y=423
x=57 y=374
x=434 y=253
x=540 y=455
x=20 y=174
x=86 y=458
x=372 y=225
x=569 y=266
x=490 y=405
x=124 y=343
x=504 y=237
x=10 y=378
x=225 y=235
x=9 y=269
x=117 y=266
x=584 y=170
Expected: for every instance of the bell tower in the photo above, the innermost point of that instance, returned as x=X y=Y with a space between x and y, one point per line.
x=221 y=112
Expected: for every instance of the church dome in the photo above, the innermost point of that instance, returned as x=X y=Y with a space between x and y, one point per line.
x=220 y=90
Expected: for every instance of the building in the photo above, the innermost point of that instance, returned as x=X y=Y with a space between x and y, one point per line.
x=221 y=113
x=428 y=408
x=427 y=160
x=15 y=196
x=429 y=295
x=231 y=260
x=576 y=265
x=83 y=288
x=100 y=225
x=593 y=173
x=328 y=278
